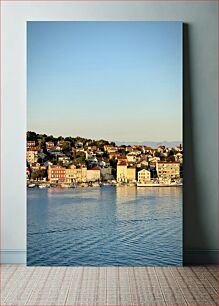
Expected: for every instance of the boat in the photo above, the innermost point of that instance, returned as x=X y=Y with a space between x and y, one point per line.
x=72 y=186
x=121 y=184
x=53 y=185
x=174 y=184
x=65 y=185
x=31 y=185
x=42 y=186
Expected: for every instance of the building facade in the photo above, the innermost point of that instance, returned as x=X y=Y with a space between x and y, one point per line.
x=131 y=174
x=121 y=173
x=31 y=144
x=50 y=145
x=32 y=156
x=56 y=174
x=93 y=174
x=71 y=175
x=144 y=176
x=167 y=170
x=81 y=174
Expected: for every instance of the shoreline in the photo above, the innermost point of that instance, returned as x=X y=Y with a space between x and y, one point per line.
x=97 y=185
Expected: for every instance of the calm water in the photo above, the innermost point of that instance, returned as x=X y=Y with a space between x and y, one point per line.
x=119 y=226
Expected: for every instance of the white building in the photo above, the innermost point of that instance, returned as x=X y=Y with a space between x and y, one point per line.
x=144 y=176
x=32 y=156
x=93 y=174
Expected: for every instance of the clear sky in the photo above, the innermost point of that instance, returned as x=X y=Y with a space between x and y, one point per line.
x=120 y=81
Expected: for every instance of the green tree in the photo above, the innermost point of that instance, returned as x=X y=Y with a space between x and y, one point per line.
x=157 y=154
x=171 y=152
x=34 y=175
x=31 y=135
x=122 y=151
x=171 y=158
x=79 y=158
x=49 y=138
x=113 y=163
x=40 y=160
x=66 y=146
x=105 y=154
x=42 y=173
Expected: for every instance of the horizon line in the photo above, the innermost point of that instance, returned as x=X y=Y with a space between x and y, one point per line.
x=103 y=138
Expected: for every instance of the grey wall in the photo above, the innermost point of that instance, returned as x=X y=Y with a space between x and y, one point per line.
x=200 y=111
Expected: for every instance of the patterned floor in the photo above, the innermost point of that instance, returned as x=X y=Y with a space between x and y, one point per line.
x=21 y=285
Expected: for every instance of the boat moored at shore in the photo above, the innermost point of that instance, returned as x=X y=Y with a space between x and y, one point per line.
x=160 y=183
x=31 y=185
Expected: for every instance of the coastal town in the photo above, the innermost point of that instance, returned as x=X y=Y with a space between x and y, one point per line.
x=68 y=162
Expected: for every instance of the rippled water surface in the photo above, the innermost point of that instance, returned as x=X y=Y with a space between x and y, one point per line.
x=107 y=226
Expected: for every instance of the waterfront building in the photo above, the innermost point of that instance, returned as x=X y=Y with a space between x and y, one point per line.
x=131 y=174
x=121 y=173
x=144 y=176
x=106 y=173
x=106 y=170
x=166 y=170
x=56 y=174
x=81 y=174
x=93 y=174
x=71 y=175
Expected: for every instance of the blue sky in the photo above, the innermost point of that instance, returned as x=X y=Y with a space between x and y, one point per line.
x=119 y=81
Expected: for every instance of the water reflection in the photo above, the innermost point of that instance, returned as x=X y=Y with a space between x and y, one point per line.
x=105 y=226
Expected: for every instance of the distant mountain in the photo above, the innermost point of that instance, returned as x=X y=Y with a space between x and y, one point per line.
x=153 y=144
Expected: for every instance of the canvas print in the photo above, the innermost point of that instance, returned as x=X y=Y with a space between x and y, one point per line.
x=104 y=151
